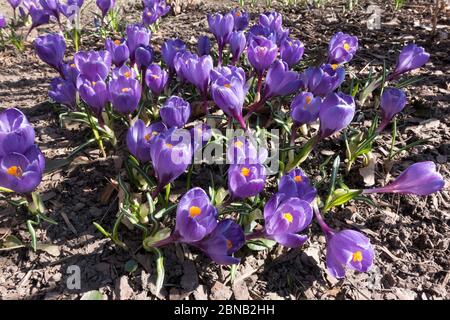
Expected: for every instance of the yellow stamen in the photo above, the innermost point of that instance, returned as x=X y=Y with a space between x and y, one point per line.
x=357 y=256
x=346 y=46
x=124 y=90
x=227 y=85
x=155 y=76
x=238 y=144
x=147 y=136
x=154 y=133
x=72 y=65
x=194 y=211
x=127 y=74
x=288 y=216
x=298 y=178
x=229 y=244
x=93 y=83
x=116 y=42
x=308 y=99
x=14 y=171
x=169 y=145
x=334 y=66
x=245 y=171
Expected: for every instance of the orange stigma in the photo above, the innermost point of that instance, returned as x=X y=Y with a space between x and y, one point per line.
x=298 y=178
x=357 y=256
x=127 y=74
x=245 y=171
x=229 y=244
x=194 y=211
x=238 y=14
x=169 y=145
x=308 y=99
x=227 y=85
x=125 y=90
x=334 y=66
x=147 y=137
x=14 y=171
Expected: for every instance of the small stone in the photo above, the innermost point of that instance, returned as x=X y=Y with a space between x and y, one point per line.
x=123 y=290
x=200 y=293
x=240 y=291
x=220 y=292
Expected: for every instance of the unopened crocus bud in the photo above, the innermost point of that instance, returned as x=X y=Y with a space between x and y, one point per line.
x=70 y=7
x=323 y=80
x=124 y=94
x=420 y=179
x=348 y=249
x=3 y=21
x=296 y=184
x=39 y=17
x=137 y=36
x=196 y=71
x=16 y=133
x=50 y=48
x=93 y=93
x=180 y=62
x=228 y=90
x=63 y=92
x=14 y=3
x=284 y=218
x=241 y=150
x=140 y=138
x=241 y=19
x=227 y=238
x=169 y=49
x=261 y=53
x=221 y=27
x=336 y=113
x=119 y=51
x=203 y=46
x=105 y=6
x=291 y=51
x=342 y=48
x=238 y=43
x=52 y=7
x=93 y=64
x=246 y=180
x=305 y=108
x=143 y=57
x=393 y=101
x=171 y=153
x=175 y=112
x=124 y=71
x=411 y=57
x=196 y=216
x=280 y=81
x=156 y=79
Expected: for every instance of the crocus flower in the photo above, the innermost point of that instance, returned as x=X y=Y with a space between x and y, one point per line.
x=227 y=238
x=152 y=13
x=284 y=218
x=171 y=153
x=140 y=137
x=119 y=51
x=336 y=113
x=221 y=27
x=180 y=61
x=320 y=81
x=241 y=150
x=156 y=79
x=14 y=3
x=124 y=94
x=124 y=71
x=70 y=7
x=272 y=24
x=305 y=108
x=296 y=184
x=420 y=179
x=21 y=173
x=261 y=53
x=291 y=51
x=246 y=180
x=39 y=17
x=342 y=48
x=237 y=45
x=228 y=90
x=280 y=81
x=200 y=135
x=3 y=22
x=51 y=7
x=196 y=70
x=94 y=93
x=203 y=46
x=137 y=36
x=63 y=92
x=93 y=64
x=143 y=57
x=16 y=133
x=70 y=72
x=393 y=101
x=411 y=57
x=196 y=216
x=169 y=49
x=348 y=248
x=241 y=19
x=175 y=112
x=105 y=6
x=50 y=48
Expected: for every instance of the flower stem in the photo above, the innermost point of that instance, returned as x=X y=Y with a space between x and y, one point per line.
x=255 y=235
x=164 y=242
x=325 y=228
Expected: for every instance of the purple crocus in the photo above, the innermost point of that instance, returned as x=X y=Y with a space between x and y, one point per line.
x=51 y=7
x=124 y=94
x=175 y=112
x=322 y=80
x=284 y=218
x=221 y=27
x=228 y=90
x=143 y=57
x=291 y=51
x=119 y=51
x=171 y=153
x=227 y=238
x=16 y=133
x=272 y=27
x=70 y=71
x=39 y=17
x=342 y=48
x=348 y=248
x=93 y=93
x=140 y=138
x=50 y=48
x=305 y=108
x=196 y=216
x=14 y=3
x=246 y=180
x=241 y=150
x=3 y=21
x=70 y=7
x=296 y=184
x=336 y=113
x=411 y=57
x=280 y=81
x=203 y=46
x=393 y=101
x=156 y=79
x=261 y=53
x=196 y=70
x=154 y=11
x=241 y=19
x=93 y=64
x=420 y=179
x=124 y=71
x=238 y=43
x=105 y=6
x=200 y=134
x=21 y=173
x=169 y=49
x=137 y=36
x=63 y=92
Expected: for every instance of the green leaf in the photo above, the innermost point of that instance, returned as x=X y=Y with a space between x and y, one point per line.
x=302 y=154
x=103 y=231
x=341 y=196
x=220 y=195
x=2 y=189
x=93 y=295
x=32 y=234
x=11 y=242
x=160 y=235
x=260 y=244
x=160 y=271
